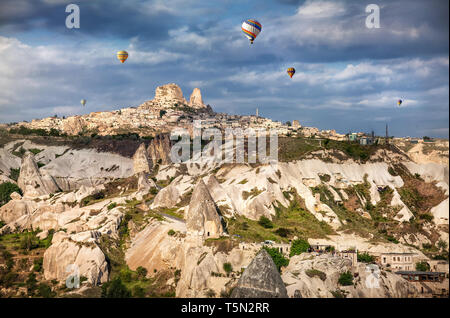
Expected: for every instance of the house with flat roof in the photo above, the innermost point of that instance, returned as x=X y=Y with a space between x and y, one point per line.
x=398 y=261
x=435 y=284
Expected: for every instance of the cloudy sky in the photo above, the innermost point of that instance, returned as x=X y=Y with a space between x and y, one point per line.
x=348 y=78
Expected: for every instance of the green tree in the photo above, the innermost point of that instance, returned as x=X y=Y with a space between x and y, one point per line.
x=227 y=268
x=277 y=257
x=138 y=292
x=5 y=191
x=29 y=241
x=442 y=244
x=31 y=284
x=346 y=279
x=299 y=246
x=366 y=258
x=283 y=232
x=37 y=264
x=265 y=222
x=115 y=289
x=141 y=272
x=45 y=291
x=422 y=266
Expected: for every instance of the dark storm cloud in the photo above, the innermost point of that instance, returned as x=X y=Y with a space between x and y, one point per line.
x=408 y=28
x=121 y=19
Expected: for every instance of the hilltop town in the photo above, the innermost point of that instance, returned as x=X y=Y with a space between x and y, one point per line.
x=352 y=215
x=169 y=110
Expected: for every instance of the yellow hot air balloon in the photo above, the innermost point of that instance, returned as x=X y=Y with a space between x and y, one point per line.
x=122 y=56
x=291 y=71
x=83 y=102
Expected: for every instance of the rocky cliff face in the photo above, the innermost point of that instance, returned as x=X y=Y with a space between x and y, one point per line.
x=32 y=182
x=311 y=276
x=159 y=149
x=66 y=256
x=169 y=93
x=141 y=161
x=196 y=100
x=260 y=280
x=202 y=217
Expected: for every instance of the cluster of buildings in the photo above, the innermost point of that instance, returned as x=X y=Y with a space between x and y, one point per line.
x=170 y=110
x=433 y=282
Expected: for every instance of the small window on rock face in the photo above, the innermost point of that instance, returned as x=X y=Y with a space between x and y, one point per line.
x=208 y=233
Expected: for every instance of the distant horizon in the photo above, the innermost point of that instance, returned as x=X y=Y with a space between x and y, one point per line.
x=348 y=76
x=248 y=114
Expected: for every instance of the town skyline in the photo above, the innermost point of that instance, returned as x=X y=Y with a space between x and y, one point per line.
x=348 y=77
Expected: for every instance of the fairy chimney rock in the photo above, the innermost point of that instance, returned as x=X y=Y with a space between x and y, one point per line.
x=202 y=217
x=196 y=100
x=141 y=160
x=260 y=279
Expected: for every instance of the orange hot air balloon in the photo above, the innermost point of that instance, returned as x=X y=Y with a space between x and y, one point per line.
x=291 y=71
x=122 y=56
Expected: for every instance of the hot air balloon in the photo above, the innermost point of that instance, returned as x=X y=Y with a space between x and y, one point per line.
x=291 y=71
x=399 y=102
x=83 y=102
x=122 y=56
x=251 y=29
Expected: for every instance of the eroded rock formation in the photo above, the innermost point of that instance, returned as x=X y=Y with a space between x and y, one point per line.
x=66 y=257
x=169 y=93
x=141 y=161
x=202 y=217
x=260 y=280
x=196 y=100
x=159 y=149
x=32 y=182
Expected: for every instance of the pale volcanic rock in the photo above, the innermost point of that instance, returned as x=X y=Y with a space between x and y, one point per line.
x=169 y=196
x=72 y=125
x=4 y=179
x=15 y=209
x=220 y=197
x=202 y=217
x=441 y=212
x=159 y=150
x=196 y=100
x=169 y=93
x=32 y=182
x=198 y=267
x=145 y=183
x=87 y=167
x=64 y=252
x=367 y=284
x=153 y=249
x=260 y=279
x=166 y=197
x=15 y=196
x=141 y=161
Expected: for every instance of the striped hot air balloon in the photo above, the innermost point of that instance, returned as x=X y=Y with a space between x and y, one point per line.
x=291 y=71
x=251 y=29
x=122 y=56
